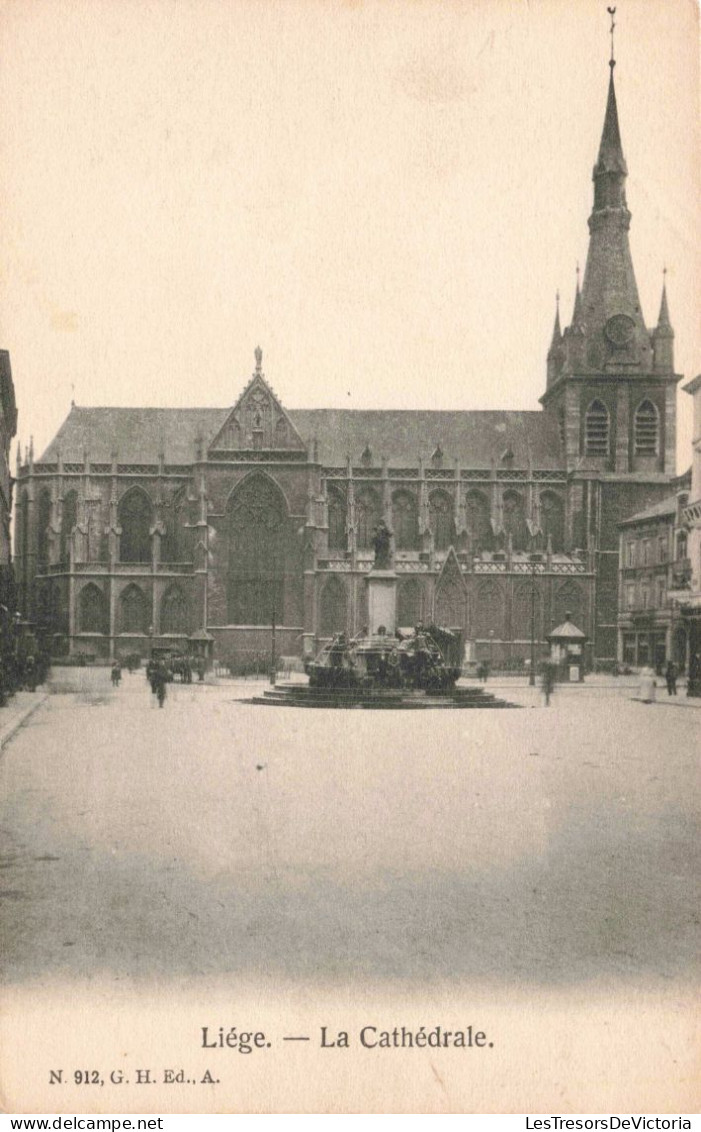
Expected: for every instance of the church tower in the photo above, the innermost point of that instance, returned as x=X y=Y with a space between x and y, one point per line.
x=611 y=383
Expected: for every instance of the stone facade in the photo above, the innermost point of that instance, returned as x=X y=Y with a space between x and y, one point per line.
x=143 y=526
x=653 y=567
x=688 y=594
x=8 y=429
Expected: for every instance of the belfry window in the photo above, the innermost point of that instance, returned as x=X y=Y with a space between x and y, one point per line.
x=647 y=429
x=596 y=430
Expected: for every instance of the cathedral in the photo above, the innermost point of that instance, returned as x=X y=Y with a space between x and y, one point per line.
x=213 y=530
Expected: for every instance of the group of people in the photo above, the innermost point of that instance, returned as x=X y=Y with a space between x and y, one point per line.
x=22 y=673
x=159 y=673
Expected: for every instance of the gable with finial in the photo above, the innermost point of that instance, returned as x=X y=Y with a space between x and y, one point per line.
x=257 y=421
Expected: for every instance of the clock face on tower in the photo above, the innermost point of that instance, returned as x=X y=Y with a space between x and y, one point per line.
x=620 y=329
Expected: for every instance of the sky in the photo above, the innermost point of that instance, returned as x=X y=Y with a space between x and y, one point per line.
x=384 y=195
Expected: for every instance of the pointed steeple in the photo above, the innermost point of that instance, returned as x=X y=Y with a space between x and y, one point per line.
x=609 y=307
x=611 y=159
x=555 y=354
x=578 y=313
x=663 y=335
x=663 y=321
x=557 y=332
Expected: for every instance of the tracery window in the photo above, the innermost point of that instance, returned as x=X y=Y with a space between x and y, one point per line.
x=337 y=519
x=368 y=513
x=175 y=613
x=257 y=521
x=440 y=519
x=488 y=612
x=479 y=527
x=135 y=520
x=134 y=610
x=93 y=615
x=405 y=520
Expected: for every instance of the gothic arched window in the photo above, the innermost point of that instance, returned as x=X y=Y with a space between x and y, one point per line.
x=337 y=519
x=257 y=521
x=44 y=521
x=515 y=519
x=135 y=521
x=175 y=613
x=451 y=598
x=527 y=600
x=134 y=610
x=178 y=544
x=479 y=527
x=332 y=608
x=405 y=520
x=409 y=603
x=368 y=513
x=646 y=429
x=69 y=518
x=440 y=519
x=93 y=615
x=596 y=430
x=488 y=612
x=552 y=519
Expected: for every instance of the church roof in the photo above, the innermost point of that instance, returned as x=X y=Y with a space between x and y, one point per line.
x=474 y=438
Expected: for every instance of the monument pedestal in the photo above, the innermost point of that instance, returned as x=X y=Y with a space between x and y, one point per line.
x=382 y=600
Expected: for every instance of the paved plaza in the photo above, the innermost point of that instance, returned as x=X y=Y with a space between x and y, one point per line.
x=541 y=846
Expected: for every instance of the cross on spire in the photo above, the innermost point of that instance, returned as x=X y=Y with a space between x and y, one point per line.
x=612 y=60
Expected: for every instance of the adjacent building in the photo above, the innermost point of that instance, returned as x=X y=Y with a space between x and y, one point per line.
x=688 y=595
x=654 y=567
x=8 y=429
x=143 y=527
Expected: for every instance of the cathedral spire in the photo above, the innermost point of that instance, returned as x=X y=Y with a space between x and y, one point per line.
x=609 y=306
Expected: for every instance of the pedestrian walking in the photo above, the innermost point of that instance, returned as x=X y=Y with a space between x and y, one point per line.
x=116 y=674
x=670 y=675
x=547 y=680
x=159 y=683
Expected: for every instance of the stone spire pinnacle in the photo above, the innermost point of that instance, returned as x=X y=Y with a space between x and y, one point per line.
x=555 y=352
x=663 y=320
x=557 y=332
x=577 y=313
x=663 y=335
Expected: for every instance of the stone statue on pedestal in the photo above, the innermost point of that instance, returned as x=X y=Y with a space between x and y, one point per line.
x=382 y=544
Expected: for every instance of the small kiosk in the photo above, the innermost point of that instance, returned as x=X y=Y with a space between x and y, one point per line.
x=567 y=651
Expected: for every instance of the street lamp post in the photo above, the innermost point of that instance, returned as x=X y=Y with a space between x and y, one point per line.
x=491 y=650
